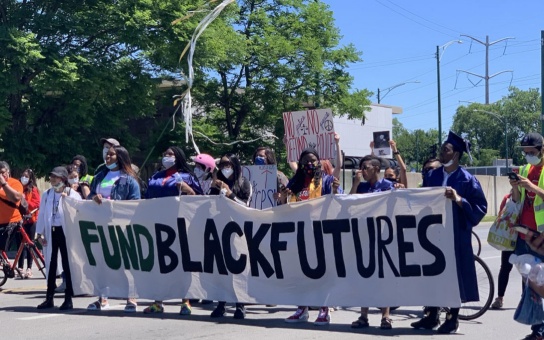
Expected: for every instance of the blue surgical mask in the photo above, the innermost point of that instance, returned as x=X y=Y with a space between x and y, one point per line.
x=168 y=162
x=111 y=166
x=259 y=160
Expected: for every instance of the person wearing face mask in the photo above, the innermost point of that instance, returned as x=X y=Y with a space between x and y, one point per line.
x=106 y=143
x=79 y=163
x=309 y=182
x=32 y=196
x=73 y=179
x=11 y=193
x=469 y=206
x=50 y=227
x=265 y=156
x=117 y=182
x=230 y=183
x=529 y=190
x=176 y=178
x=204 y=169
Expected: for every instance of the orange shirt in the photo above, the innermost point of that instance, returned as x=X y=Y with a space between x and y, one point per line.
x=7 y=213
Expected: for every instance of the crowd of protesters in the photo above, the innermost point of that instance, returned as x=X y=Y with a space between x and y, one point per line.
x=116 y=179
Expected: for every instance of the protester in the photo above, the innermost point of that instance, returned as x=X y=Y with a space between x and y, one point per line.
x=469 y=206
x=263 y=155
x=506 y=268
x=32 y=196
x=369 y=170
x=204 y=169
x=11 y=193
x=50 y=227
x=106 y=143
x=529 y=190
x=309 y=182
x=176 y=179
x=73 y=180
x=84 y=184
x=117 y=182
x=326 y=165
x=230 y=183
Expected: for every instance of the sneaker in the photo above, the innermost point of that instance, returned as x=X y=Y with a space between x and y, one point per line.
x=185 y=309
x=28 y=273
x=155 y=308
x=131 y=306
x=61 y=288
x=450 y=326
x=426 y=323
x=323 y=318
x=21 y=273
x=301 y=315
x=240 y=312
x=534 y=336
x=219 y=311
x=497 y=304
x=98 y=305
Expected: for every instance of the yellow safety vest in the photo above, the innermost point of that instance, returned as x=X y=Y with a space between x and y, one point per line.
x=538 y=204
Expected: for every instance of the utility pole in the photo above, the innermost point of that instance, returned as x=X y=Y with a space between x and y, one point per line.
x=487 y=76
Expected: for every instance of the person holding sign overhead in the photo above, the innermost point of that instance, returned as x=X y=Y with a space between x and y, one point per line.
x=310 y=182
x=469 y=206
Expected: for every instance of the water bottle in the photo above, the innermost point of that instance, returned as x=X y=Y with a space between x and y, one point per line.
x=536 y=274
x=524 y=263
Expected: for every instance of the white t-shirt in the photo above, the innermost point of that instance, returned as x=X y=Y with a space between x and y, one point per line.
x=104 y=187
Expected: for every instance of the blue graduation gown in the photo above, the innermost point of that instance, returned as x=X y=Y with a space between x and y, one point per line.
x=474 y=209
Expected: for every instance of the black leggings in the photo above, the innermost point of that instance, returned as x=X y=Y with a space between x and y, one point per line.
x=30 y=229
x=58 y=243
x=504 y=272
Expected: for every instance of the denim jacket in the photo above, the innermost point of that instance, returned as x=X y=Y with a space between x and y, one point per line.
x=125 y=188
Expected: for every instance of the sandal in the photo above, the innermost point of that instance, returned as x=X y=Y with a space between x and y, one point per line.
x=361 y=322
x=386 y=323
x=98 y=306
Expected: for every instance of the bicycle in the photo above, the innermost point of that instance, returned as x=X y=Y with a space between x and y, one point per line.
x=9 y=269
x=478 y=249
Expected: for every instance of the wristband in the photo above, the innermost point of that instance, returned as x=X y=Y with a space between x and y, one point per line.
x=396 y=153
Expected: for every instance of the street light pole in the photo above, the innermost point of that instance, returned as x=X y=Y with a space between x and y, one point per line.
x=505 y=122
x=438 y=56
x=392 y=88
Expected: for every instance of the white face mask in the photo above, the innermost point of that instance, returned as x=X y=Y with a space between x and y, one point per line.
x=533 y=160
x=58 y=187
x=449 y=163
x=24 y=180
x=227 y=172
x=199 y=173
x=73 y=180
x=168 y=162
x=104 y=152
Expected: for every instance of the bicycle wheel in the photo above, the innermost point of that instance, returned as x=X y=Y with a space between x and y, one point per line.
x=3 y=275
x=486 y=289
x=478 y=243
x=37 y=257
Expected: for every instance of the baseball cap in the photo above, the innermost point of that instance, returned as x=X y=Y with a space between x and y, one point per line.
x=59 y=171
x=533 y=139
x=112 y=141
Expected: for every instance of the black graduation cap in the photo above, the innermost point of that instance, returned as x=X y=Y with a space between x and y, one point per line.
x=459 y=144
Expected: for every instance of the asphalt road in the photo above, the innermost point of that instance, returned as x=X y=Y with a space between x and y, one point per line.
x=21 y=320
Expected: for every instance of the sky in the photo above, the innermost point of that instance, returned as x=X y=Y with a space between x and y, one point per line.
x=398 y=41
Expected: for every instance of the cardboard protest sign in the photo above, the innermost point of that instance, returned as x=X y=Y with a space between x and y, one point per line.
x=264 y=183
x=309 y=129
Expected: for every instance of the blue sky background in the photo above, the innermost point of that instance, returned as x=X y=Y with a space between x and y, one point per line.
x=398 y=40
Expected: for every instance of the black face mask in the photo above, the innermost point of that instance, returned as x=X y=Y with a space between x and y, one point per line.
x=309 y=168
x=392 y=180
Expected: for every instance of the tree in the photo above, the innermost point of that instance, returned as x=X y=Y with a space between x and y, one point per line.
x=519 y=110
x=75 y=71
x=276 y=56
x=415 y=146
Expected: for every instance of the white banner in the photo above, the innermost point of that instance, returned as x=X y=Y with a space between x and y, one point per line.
x=312 y=128
x=264 y=183
x=384 y=249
